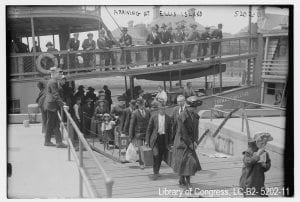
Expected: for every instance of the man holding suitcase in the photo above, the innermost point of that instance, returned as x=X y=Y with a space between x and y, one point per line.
x=157 y=136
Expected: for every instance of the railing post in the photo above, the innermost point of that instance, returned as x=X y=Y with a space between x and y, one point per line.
x=109 y=183
x=69 y=147
x=239 y=47
x=80 y=166
x=62 y=122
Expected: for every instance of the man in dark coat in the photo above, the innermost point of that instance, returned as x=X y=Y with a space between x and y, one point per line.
x=80 y=93
x=52 y=104
x=166 y=38
x=202 y=47
x=40 y=101
x=128 y=113
x=73 y=45
x=152 y=39
x=192 y=36
x=125 y=41
x=87 y=45
x=86 y=112
x=138 y=126
x=50 y=49
x=185 y=161
x=37 y=47
x=157 y=135
x=215 y=46
x=107 y=96
x=91 y=94
x=178 y=37
x=105 y=45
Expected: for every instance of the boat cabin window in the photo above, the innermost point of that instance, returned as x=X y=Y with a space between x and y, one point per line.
x=14 y=106
x=271 y=89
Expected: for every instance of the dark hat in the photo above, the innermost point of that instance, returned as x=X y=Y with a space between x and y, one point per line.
x=140 y=101
x=163 y=25
x=156 y=26
x=121 y=98
x=156 y=104
x=88 y=100
x=140 y=91
x=91 y=88
x=193 y=101
x=220 y=25
x=182 y=27
x=90 y=34
x=207 y=27
x=193 y=25
x=49 y=44
x=102 y=31
x=124 y=29
x=132 y=102
x=80 y=87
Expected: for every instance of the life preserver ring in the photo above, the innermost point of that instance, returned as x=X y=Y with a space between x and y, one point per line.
x=41 y=57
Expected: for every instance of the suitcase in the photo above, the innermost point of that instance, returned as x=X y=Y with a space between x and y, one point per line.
x=146 y=155
x=168 y=157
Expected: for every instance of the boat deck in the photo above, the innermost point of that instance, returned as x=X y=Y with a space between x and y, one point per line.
x=44 y=172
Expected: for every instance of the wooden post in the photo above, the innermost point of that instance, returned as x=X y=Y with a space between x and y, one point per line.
x=125 y=79
x=205 y=83
x=179 y=76
x=220 y=78
x=33 y=43
x=257 y=69
x=170 y=79
x=132 y=87
x=165 y=86
x=53 y=40
x=39 y=41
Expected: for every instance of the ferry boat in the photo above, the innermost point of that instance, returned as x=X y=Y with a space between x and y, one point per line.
x=267 y=68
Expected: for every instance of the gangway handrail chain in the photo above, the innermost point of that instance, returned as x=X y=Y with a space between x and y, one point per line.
x=79 y=159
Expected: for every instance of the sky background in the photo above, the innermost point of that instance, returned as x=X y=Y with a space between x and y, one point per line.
x=211 y=16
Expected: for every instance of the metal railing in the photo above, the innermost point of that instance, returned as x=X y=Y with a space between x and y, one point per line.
x=244 y=117
x=135 y=57
x=83 y=144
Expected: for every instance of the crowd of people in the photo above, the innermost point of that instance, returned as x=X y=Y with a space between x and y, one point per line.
x=176 y=134
x=157 y=35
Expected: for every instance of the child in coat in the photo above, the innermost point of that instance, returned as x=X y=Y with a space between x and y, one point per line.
x=256 y=162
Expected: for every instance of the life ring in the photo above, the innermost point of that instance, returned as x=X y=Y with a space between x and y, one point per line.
x=41 y=57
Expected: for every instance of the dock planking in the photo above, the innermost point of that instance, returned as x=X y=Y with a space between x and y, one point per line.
x=132 y=182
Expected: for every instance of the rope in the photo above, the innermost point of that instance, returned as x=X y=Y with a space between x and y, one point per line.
x=112 y=18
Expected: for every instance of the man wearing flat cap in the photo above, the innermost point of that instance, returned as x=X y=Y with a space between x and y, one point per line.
x=203 y=47
x=73 y=45
x=138 y=126
x=105 y=44
x=193 y=35
x=51 y=49
x=157 y=135
x=125 y=41
x=215 y=46
x=178 y=37
x=166 y=38
x=87 y=45
x=52 y=104
x=153 y=38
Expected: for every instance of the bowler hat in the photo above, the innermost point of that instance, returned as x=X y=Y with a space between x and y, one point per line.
x=207 y=27
x=140 y=101
x=91 y=88
x=163 y=25
x=193 y=101
x=220 y=25
x=80 y=87
x=90 y=34
x=49 y=44
x=124 y=29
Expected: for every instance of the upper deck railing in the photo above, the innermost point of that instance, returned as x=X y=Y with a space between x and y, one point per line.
x=275 y=69
x=125 y=59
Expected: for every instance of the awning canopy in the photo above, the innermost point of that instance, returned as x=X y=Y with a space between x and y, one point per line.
x=185 y=73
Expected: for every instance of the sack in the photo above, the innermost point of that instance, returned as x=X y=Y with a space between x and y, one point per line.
x=131 y=153
x=146 y=155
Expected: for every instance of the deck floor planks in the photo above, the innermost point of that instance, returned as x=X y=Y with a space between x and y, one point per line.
x=131 y=181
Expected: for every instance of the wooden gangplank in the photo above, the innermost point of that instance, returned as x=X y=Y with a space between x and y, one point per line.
x=217 y=174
